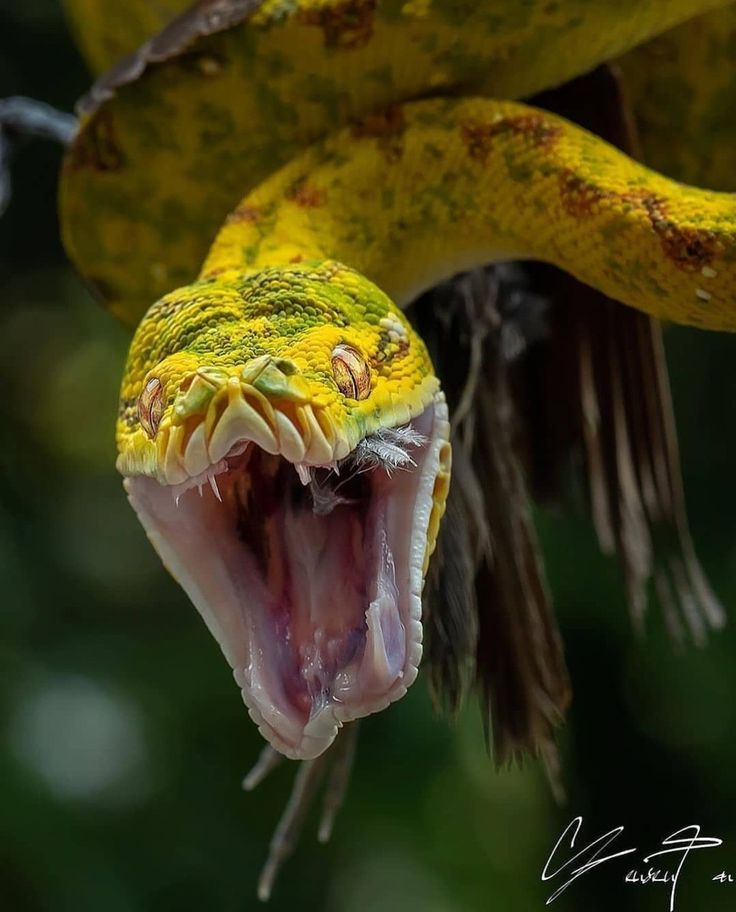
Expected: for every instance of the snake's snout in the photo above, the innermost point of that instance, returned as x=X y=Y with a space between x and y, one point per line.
x=267 y=402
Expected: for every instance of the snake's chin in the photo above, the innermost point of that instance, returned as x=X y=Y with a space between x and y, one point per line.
x=318 y=611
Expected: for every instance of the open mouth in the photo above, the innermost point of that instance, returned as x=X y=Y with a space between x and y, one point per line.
x=309 y=577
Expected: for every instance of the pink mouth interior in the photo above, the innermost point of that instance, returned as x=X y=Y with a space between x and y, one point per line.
x=316 y=609
x=315 y=575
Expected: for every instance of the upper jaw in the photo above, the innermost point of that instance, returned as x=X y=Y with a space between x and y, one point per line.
x=217 y=408
x=206 y=565
x=268 y=402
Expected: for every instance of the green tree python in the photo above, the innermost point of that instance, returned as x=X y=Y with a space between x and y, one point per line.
x=300 y=170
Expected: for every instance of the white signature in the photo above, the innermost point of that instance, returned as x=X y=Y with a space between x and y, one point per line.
x=679 y=845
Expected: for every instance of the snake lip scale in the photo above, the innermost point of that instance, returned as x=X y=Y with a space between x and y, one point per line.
x=317 y=611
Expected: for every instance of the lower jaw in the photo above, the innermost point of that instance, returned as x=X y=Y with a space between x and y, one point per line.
x=264 y=642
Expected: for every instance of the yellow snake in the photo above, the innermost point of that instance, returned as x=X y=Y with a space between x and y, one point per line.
x=282 y=434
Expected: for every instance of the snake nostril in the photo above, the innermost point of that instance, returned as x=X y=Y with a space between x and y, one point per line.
x=186 y=383
x=286 y=367
x=278 y=379
x=255 y=367
x=196 y=391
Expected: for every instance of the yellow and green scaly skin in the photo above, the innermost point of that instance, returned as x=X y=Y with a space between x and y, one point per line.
x=352 y=153
x=160 y=163
x=436 y=186
x=682 y=88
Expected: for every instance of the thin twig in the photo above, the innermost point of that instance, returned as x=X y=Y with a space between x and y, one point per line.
x=335 y=763
x=338 y=779
x=289 y=828
x=267 y=761
x=23 y=117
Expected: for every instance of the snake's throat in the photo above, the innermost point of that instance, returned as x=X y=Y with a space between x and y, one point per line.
x=317 y=609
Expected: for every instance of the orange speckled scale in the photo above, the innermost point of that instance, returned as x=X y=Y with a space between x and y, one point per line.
x=475 y=181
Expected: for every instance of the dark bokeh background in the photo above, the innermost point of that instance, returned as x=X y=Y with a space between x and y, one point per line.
x=123 y=738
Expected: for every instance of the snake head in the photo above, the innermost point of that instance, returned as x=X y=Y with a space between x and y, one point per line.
x=284 y=442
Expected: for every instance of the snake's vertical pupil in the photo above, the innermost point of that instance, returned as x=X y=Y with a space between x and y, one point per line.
x=151 y=406
x=352 y=374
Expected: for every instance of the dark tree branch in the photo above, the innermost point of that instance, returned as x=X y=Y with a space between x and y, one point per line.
x=22 y=118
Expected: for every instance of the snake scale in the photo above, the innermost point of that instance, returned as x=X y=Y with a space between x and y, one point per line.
x=302 y=170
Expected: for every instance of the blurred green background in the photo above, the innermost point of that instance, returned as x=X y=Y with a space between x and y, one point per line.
x=123 y=737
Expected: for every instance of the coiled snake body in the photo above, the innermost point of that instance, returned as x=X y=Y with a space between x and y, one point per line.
x=282 y=433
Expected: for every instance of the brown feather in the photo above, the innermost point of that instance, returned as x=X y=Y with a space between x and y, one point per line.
x=488 y=617
x=593 y=394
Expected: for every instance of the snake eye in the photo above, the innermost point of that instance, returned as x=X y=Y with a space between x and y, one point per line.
x=352 y=374
x=151 y=406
